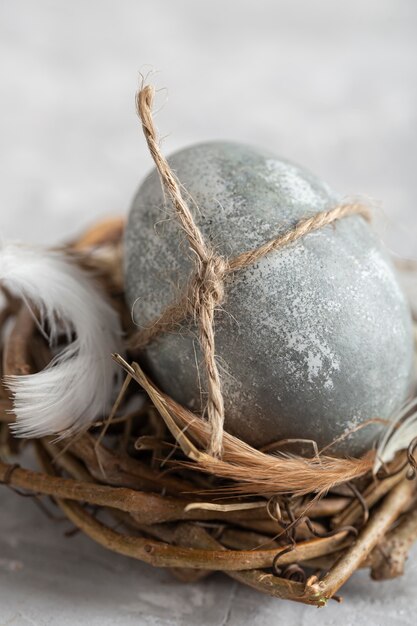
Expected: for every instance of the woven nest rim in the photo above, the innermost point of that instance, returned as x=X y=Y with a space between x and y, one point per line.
x=299 y=547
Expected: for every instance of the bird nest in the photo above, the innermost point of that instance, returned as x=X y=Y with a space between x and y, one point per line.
x=140 y=482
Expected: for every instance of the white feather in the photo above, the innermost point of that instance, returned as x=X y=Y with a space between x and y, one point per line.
x=78 y=385
x=397 y=436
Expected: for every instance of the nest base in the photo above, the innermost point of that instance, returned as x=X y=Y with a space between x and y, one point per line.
x=172 y=515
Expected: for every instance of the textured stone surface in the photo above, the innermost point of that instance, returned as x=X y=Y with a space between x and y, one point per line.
x=313 y=339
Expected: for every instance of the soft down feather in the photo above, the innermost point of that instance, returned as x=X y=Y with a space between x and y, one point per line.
x=78 y=385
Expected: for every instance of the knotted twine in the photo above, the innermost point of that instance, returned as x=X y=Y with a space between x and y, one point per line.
x=206 y=286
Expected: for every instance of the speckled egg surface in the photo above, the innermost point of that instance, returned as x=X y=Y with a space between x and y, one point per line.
x=312 y=340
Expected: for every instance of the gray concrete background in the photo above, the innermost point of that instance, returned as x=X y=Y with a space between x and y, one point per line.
x=330 y=85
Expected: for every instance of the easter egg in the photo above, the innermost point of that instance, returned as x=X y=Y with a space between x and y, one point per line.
x=312 y=340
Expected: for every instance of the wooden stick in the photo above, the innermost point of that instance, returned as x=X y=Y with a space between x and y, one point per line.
x=244 y=518
x=107 y=231
x=372 y=494
x=395 y=502
x=388 y=559
x=65 y=461
x=151 y=552
x=16 y=355
x=325 y=507
x=125 y=470
x=146 y=508
x=195 y=536
x=164 y=555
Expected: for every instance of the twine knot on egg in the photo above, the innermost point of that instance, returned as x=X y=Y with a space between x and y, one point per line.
x=209 y=283
x=205 y=289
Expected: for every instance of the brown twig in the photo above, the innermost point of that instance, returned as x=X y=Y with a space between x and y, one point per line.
x=380 y=521
x=125 y=470
x=388 y=561
x=371 y=495
x=16 y=355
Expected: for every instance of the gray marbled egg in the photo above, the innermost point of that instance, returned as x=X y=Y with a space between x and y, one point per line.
x=312 y=340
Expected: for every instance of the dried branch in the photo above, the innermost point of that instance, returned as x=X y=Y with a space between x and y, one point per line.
x=389 y=557
x=380 y=521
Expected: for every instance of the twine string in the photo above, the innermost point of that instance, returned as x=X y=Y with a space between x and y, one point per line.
x=206 y=287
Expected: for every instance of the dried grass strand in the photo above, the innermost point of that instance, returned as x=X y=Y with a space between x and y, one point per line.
x=253 y=472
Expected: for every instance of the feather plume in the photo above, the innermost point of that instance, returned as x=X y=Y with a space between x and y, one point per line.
x=397 y=436
x=78 y=385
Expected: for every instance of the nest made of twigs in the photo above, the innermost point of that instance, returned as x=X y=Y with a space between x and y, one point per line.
x=176 y=506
